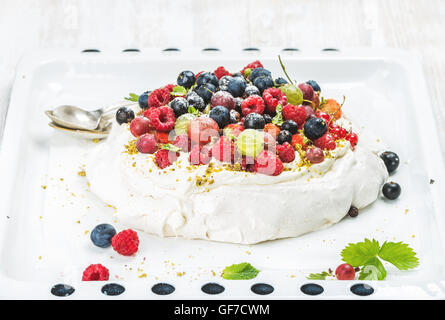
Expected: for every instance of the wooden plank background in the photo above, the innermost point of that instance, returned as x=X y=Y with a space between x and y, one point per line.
x=414 y=25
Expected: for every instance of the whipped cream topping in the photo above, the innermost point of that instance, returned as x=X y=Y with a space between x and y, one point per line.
x=220 y=204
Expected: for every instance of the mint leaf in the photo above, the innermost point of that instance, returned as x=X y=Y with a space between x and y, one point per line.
x=171 y=147
x=242 y=271
x=357 y=254
x=372 y=270
x=399 y=254
x=192 y=110
x=278 y=119
x=178 y=91
x=132 y=97
x=319 y=276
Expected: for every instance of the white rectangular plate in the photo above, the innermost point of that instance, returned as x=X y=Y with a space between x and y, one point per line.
x=47 y=209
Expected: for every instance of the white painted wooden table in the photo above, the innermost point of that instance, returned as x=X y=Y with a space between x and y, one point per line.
x=417 y=26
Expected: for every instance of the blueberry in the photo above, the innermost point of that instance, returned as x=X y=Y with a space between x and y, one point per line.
x=205 y=91
x=254 y=121
x=391 y=190
x=314 y=85
x=221 y=115
x=124 y=115
x=314 y=128
x=102 y=234
x=280 y=81
x=143 y=100
x=238 y=102
x=237 y=86
x=234 y=116
x=259 y=72
x=263 y=83
x=196 y=101
x=224 y=81
x=251 y=90
x=391 y=160
x=180 y=106
x=223 y=88
x=284 y=136
x=267 y=118
x=186 y=79
x=290 y=125
x=237 y=75
x=207 y=77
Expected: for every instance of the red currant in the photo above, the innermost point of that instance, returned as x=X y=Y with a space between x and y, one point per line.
x=338 y=132
x=345 y=272
x=352 y=138
x=326 y=117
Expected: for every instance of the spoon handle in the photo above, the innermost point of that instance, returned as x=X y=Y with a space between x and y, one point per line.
x=109 y=111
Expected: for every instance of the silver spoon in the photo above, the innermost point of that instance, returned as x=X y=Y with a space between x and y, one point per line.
x=77 y=118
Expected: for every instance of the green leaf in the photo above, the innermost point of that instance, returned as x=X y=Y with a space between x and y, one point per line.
x=193 y=110
x=399 y=254
x=372 y=270
x=178 y=91
x=132 y=97
x=242 y=271
x=357 y=254
x=171 y=147
x=278 y=119
x=319 y=276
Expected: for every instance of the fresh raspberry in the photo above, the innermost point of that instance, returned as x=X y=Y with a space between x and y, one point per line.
x=221 y=72
x=126 y=242
x=224 y=150
x=233 y=129
x=139 y=126
x=268 y=163
x=298 y=139
x=162 y=119
x=273 y=97
x=96 y=272
x=286 y=152
x=272 y=129
x=158 y=98
x=168 y=88
x=165 y=158
x=146 y=143
x=352 y=138
x=338 y=132
x=296 y=113
x=326 y=141
x=252 y=65
x=254 y=103
x=182 y=141
x=162 y=137
x=148 y=112
x=199 y=155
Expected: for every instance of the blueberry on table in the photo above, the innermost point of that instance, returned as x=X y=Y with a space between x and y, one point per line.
x=224 y=81
x=102 y=234
x=196 y=101
x=180 y=106
x=221 y=115
x=205 y=91
x=254 y=121
x=314 y=85
x=143 y=100
x=236 y=86
x=259 y=72
x=251 y=90
x=207 y=77
x=290 y=125
x=124 y=115
x=391 y=160
x=186 y=79
x=314 y=128
x=391 y=190
x=284 y=136
x=263 y=83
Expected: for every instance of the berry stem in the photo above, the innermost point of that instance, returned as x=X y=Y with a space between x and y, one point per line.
x=284 y=70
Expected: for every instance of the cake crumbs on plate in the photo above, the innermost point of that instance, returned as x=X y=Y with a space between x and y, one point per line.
x=81 y=173
x=44 y=187
x=143 y=275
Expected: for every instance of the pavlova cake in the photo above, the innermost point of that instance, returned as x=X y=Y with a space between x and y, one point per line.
x=240 y=158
